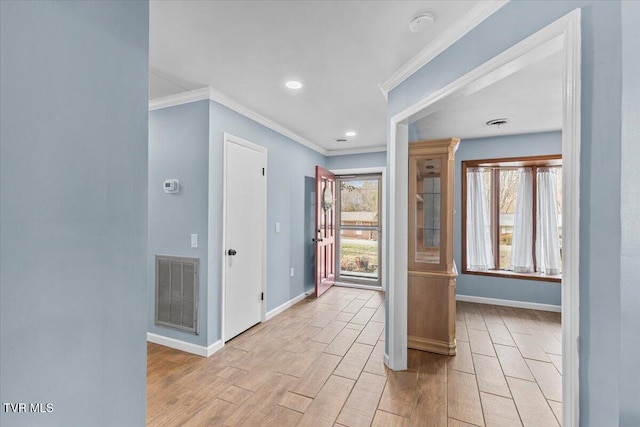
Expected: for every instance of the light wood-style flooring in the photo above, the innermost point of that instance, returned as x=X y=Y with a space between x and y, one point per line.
x=320 y=363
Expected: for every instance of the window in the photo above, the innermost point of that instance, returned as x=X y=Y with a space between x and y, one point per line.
x=358 y=212
x=511 y=222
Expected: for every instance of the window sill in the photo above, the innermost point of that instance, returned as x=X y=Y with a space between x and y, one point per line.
x=512 y=275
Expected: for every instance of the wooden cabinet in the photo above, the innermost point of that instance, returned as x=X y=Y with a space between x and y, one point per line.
x=432 y=271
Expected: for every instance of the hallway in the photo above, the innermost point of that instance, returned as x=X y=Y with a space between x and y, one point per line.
x=320 y=363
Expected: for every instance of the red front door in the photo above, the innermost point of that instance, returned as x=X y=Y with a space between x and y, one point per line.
x=325 y=230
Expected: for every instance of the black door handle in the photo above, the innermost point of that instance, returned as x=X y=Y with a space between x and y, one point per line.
x=317 y=240
x=232 y=252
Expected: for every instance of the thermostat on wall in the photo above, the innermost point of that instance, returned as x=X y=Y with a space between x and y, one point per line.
x=171 y=186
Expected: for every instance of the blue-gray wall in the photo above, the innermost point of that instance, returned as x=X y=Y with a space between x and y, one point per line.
x=179 y=139
x=601 y=151
x=179 y=148
x=492 y=148
x=73 y=132
x=630 y=212
x=354 y=161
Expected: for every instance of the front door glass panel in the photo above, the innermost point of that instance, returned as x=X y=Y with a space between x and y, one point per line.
x=359 y=220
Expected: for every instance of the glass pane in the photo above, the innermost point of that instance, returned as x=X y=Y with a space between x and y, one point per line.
x=486 y=177
x=359 y=254
x=507 y=204
x=428 y=210
x=359 y=202
x=559 y=198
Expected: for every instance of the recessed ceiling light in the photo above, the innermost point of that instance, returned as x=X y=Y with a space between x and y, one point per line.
x=293 y=84
x=350 y=133
x=420 y=22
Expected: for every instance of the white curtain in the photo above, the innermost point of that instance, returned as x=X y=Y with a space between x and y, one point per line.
x=547 y=239
x=522 y=243
x=479 y=250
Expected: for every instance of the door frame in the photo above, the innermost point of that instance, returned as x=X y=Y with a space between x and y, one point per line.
x=383 y=213
x=231 y=139
x=565 y=30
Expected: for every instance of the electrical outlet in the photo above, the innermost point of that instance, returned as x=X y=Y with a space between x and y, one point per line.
x=292 y=272
x=277 y=227
x=194 y=240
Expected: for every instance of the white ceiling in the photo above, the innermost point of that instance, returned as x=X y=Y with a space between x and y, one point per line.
x=531 y=99
x=341 y=50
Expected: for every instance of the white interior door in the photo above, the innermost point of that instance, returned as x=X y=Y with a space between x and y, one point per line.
x=244 y=242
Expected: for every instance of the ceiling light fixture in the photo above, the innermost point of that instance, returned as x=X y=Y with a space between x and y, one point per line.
x=497 y=122
x=293 y=84
x=420 y=22
x=350 y=133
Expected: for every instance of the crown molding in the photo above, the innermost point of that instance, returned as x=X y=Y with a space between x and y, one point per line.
x=455 y=32
x=363 y=150
x=179 y=99
x=234 y=105
x=222 y=99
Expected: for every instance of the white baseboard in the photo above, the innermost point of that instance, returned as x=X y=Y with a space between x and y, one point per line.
x=510 y=303
x=386 y=360
x=213 y=348
x=271 y=314
x=185 y=346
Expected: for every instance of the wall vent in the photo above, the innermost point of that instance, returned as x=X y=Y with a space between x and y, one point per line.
x=177 y=293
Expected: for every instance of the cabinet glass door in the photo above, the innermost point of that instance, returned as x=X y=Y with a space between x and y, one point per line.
x=427 y=215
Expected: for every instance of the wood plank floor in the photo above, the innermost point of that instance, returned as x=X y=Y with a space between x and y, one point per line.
x=320 y=364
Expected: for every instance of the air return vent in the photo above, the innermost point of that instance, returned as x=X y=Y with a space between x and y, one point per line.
x=177 y=293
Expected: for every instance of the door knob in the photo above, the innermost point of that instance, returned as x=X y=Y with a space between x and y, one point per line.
x=232 y=252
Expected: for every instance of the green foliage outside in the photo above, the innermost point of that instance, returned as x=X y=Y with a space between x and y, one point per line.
x=359 y=256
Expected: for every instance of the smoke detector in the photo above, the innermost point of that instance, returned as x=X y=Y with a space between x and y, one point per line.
x=497 y=122
x=420 y=22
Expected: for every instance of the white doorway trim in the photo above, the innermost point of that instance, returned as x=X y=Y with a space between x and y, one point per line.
x=383 y=171
x=567 y=31
x=231 y=139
